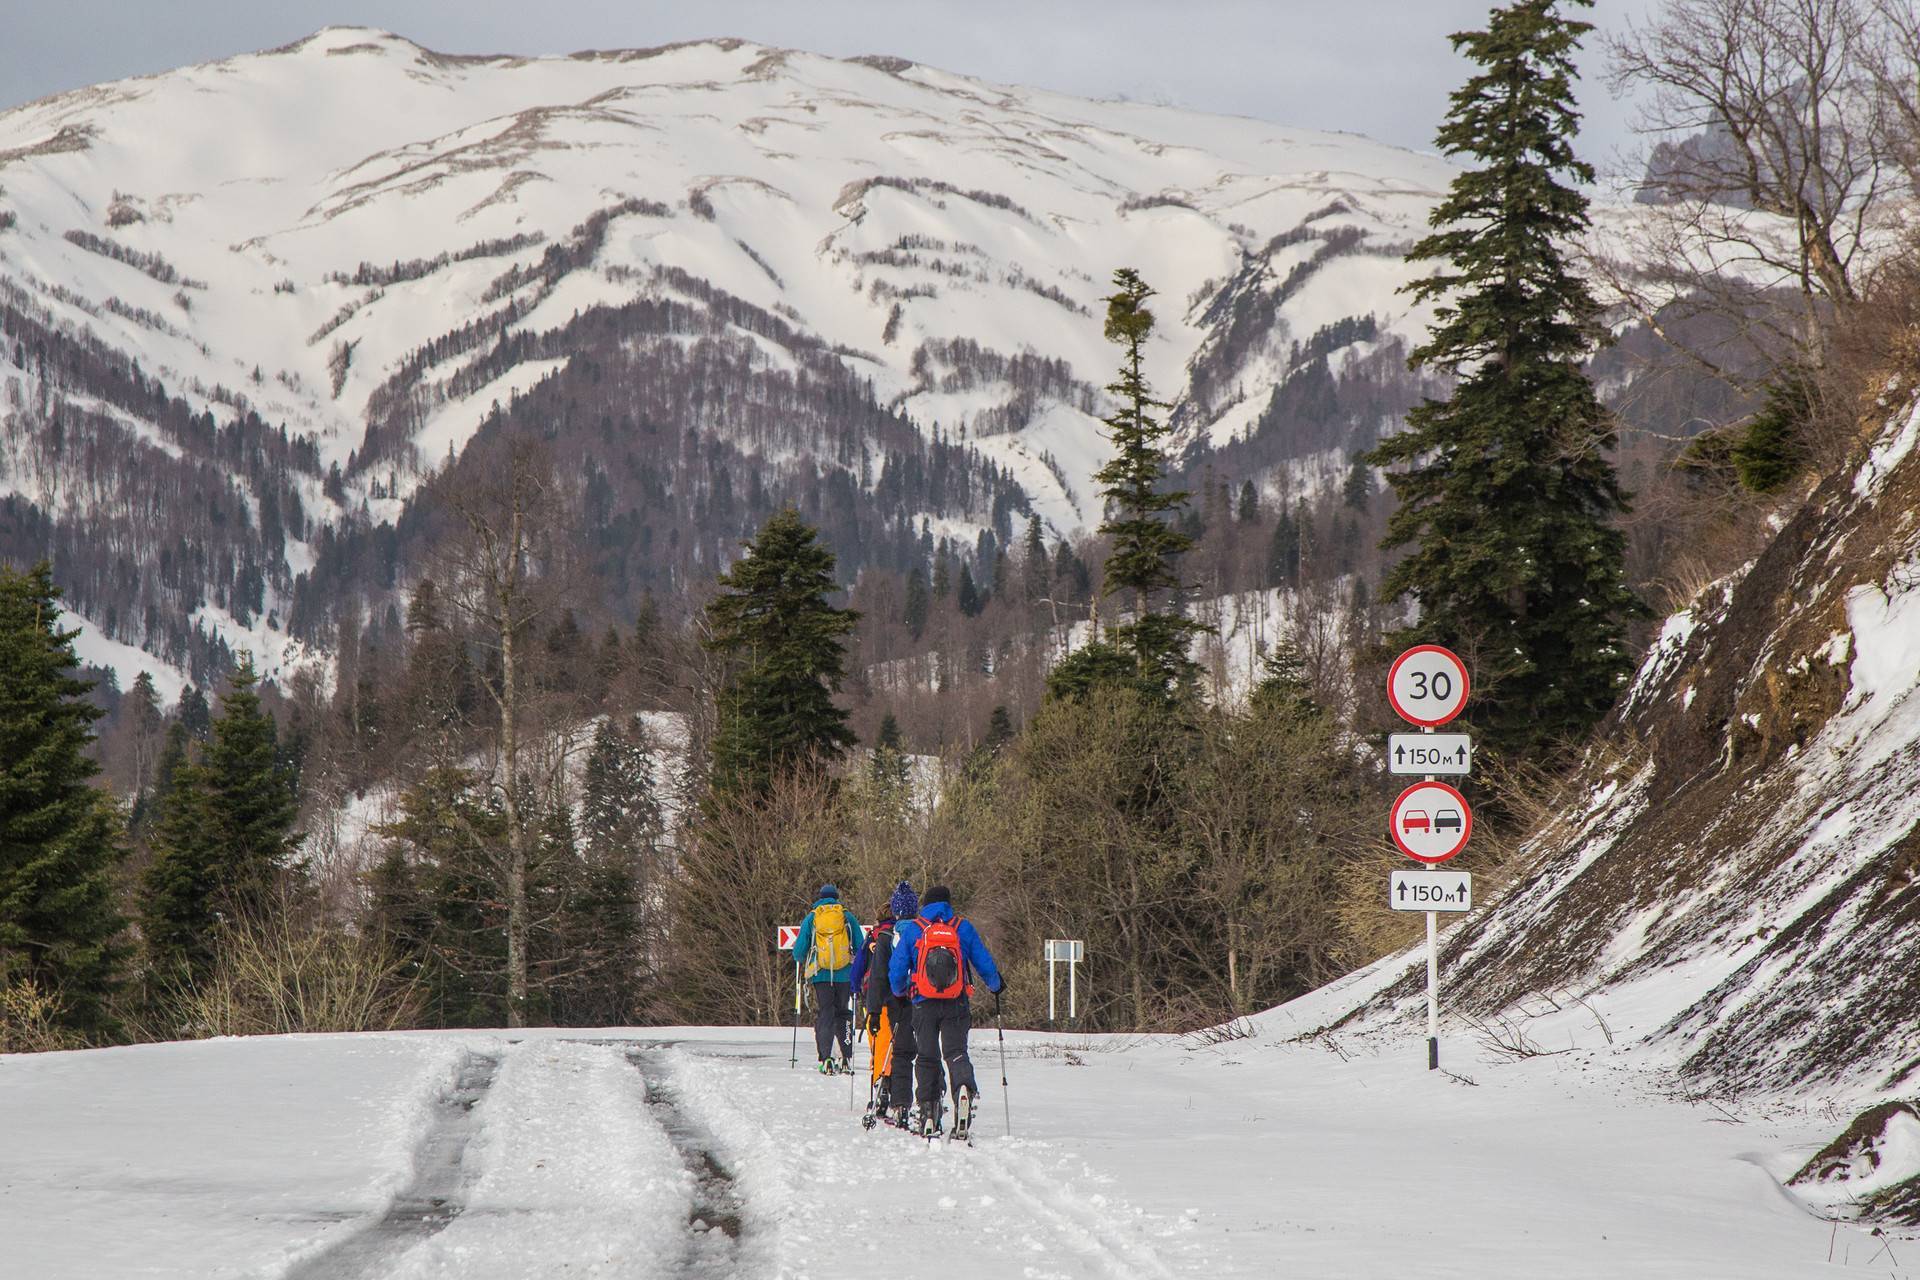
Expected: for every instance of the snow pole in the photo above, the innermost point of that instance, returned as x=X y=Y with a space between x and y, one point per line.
x=1006 y=1108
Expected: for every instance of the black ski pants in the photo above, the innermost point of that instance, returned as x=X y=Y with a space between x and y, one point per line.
x=832 y=1019
x=940 y=1030
x=900 y=1069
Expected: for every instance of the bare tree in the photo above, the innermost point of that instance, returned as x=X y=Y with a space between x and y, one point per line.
x=1776 y=168
x=505 y=566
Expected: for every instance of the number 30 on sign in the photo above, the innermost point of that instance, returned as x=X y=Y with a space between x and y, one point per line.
x=1427 y=685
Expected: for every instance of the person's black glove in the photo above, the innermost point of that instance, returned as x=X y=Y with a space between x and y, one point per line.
x=1000 y=990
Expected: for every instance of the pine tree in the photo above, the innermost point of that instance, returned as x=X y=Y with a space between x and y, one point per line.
x=1141 y=520
x=1505 y=491
x=1249 y=508
x=225 y=834
x=59 y=835
x=777 y=713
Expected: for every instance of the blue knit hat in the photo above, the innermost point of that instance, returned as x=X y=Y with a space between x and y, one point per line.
x=904 y=902
x=829 y=891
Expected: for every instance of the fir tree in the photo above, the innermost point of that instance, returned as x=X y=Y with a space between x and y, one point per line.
x=1036 y=571
x=59 y=835
x=942 y=572
x=1773 y=448
x=1505 y=491
x=1358 y=489
x=195 y=714
x=1284 y=689
x=772 y=619
x=888 y=768
x=967 y=596
x=1283 y=553
x=1141 y=519
x=919 y=601
x=1249 y=509
x=225 y=834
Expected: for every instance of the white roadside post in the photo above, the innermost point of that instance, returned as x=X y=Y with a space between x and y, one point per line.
x=1430 y=822
x=1070 y=952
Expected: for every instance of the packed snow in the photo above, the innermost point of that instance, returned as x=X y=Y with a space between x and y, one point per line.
x=1127 y=1157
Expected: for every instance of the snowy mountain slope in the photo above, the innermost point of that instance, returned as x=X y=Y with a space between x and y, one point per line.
x=839 y=189
x=272 y=292
x=700 y=1152
x=1733 y=893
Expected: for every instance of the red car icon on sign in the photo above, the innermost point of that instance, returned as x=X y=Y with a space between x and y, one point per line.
x=1447 y=820
x=1416 y=820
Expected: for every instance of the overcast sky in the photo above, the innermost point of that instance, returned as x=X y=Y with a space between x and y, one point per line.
x=1378 y=67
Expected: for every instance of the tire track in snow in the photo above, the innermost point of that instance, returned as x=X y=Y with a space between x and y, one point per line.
x=718 y=1246
x=428 y=1204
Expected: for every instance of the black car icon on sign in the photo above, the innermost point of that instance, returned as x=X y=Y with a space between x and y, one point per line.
x=1447 y=820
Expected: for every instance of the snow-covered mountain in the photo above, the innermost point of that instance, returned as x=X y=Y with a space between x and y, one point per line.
x=294 y=282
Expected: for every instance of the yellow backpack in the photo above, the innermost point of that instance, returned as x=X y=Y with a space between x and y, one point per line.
x=832 y=945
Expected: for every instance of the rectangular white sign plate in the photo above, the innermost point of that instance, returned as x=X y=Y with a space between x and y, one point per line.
x=1066 y=951
x=1441 y=755
x=1431 y=891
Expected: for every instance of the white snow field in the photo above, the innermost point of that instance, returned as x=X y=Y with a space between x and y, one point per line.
x=702 y=1153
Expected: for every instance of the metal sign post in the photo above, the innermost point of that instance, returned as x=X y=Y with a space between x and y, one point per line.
x=1068 y=952
x=1430 y=822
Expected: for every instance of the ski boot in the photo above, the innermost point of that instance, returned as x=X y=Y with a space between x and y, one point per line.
x=900 y=1120
x=962 y=1116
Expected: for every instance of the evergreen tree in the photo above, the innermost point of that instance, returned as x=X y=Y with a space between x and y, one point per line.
x=1283 y=553
x=967 y=597
x=1505 y=491
x=1036 y=571
x=195 y=714
x=435 y=896
x=1249 y=510
x=1141 y=519
x=772 y=619
x=1358 y=489
x=225 y=834
x=942 y=572
x=1284 y=689
x=59 y=835
x=1773 y=448
x=919 y=601
x=889 y=765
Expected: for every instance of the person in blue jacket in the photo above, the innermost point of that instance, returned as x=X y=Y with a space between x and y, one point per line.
x=829 y=939
x=934 y=959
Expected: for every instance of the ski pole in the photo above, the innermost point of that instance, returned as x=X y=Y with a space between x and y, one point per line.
x=794 y=1061
x=1005 y=1106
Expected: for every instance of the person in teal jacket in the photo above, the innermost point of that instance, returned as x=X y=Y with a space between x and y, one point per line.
x=828 y=935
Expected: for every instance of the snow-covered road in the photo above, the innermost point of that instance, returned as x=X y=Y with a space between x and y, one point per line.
x=701 y=1153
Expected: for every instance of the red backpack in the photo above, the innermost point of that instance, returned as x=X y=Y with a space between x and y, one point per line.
x=939 y=968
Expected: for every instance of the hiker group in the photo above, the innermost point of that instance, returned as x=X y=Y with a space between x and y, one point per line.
x=907 y=983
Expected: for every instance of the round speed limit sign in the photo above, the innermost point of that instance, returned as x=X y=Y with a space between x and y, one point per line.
x=1427 y=685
